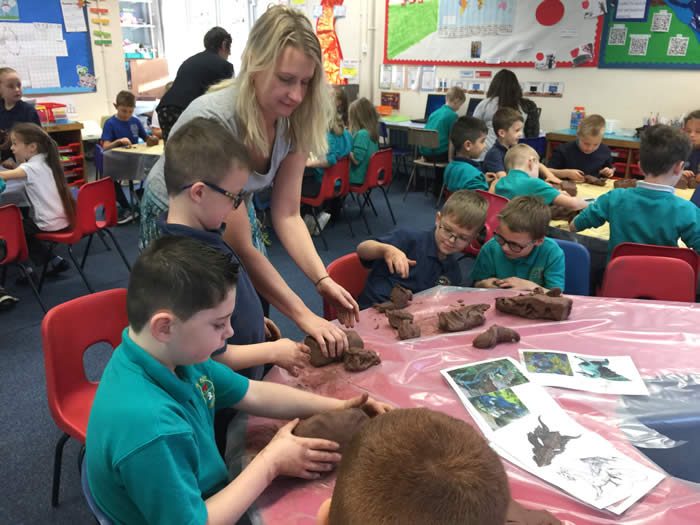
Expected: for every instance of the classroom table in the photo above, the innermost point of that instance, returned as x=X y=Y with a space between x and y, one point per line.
x=14 y=193
x=131 y=163
x=662 y=337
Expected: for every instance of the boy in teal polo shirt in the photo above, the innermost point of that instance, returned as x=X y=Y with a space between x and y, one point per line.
x=651 y=213
x=468 y=136
x=150 y=449
x=441 y=120
x=523 y=165
x=520 y=256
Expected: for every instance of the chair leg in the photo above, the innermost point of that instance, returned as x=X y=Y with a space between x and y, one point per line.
x=80 y=271
x=46 y=265
x=4 y=275
x=57 y=458
x=368 y=199
x=102 y=238
x=345 y=216
x=85 y=253
x=31 y=283
x=119 y=248
x=320 y=231
x=411 y=179
x=388 y=204
x=442 y=190
x=81 y=456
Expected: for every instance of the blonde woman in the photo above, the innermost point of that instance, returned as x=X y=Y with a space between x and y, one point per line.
x=364 y=126
x=279 y=107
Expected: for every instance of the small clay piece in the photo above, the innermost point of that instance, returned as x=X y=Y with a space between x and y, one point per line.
x=464 y=318
x=559 y=213
x=626 y=183
x=316 y=357
x=495 y=335
x=354 y=339
x=151 y=141
x=338 y=425
x=385 y=307
x=596 y=181
x=569 y=187
x=686 y=183
x=400 y=296
x=396 y=316
x=537 y=305
x=408 y=330
x=359 y=359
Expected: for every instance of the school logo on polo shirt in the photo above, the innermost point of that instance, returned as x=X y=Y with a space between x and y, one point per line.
x=536 y=274
x=206 y=387
x=443 y=280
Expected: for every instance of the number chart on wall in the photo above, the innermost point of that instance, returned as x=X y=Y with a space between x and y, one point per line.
x=513 y=33
x=47 y=42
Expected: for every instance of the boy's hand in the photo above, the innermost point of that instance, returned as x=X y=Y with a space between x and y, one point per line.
x=606 y=172
x=306 y=458
x=272 y=332
x=345 y=306
x=397 y=262
x=688 y=174
x=125 y=142
x=487 y=283
x=574 y=175
x=291 y=356
x=516 y=283
x=552 y=179
x=371 y=406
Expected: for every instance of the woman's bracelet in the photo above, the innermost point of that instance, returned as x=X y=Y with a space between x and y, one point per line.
x=321 y=279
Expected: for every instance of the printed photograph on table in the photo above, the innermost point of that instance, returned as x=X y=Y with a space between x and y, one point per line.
x=547 y=363
x=485 y=377
x=499 y=408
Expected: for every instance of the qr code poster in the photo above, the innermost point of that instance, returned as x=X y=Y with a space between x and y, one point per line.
x=661 y=22
x=617 y=35
x=677 y=46
x=638 y=45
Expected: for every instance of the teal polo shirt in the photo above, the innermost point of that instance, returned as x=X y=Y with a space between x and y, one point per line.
x=363 y=147
x=647 y=214
x=464 y=174
x=544 y=265
x=440 y=120
x=339 y=146
x=150 y=449
x=517 y=183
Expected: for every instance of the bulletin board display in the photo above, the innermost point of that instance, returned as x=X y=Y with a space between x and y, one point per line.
x=666 y=37
x=48 y=59
x=511 y=33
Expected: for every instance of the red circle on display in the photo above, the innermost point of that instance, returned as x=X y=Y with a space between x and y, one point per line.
x=540 y=56
x=549 y=12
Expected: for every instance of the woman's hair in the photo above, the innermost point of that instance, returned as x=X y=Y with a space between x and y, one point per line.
x=29 y=133
x=506 y=87
x=363 y=115
x=278 y=28
x=215 y=38
x=341 y=102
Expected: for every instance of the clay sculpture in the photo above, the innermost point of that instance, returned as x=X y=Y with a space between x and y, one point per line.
x=408 y=330
x=569 y=187
x=316 y=357
x=151 y=141
x=396 y=316
x=495 y=335
x=359 y=359
x=385 y=307
x=464 y=318
x=537 y=305
x=400 y=296
x=626 y=183
x=596 y=181
x=338 y=425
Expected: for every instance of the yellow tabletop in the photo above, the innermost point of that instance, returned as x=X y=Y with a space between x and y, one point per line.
x=142 y=149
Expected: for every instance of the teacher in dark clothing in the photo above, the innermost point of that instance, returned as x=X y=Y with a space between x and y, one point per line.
x=195 y=76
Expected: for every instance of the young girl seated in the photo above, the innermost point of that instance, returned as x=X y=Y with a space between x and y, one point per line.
x=339 y=146
x=53 y=205
x=364 y=126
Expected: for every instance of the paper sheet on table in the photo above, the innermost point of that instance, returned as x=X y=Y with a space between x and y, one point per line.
x=73 y=16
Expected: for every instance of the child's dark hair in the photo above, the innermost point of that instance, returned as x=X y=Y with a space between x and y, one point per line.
x=363 y=115
x=126 y=99
x=201 y=150
x=528 y=214
x=178 y=274
x=419 y=466
x=693 y=115
x=504 y=118
x=466 y=128
x=215 y=38
x=661 y=147
x=506 y=87
x=30 y=133
x=341 y=103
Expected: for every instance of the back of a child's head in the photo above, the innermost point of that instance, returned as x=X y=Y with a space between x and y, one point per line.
x=336 y=125
x=466 y=208
x=204 y=150
x=528 y=214
x=591 y=126
x=455 y=94
x=418 y=466
x=180 y=275
x=693 y=115
x=126 y=99
x=518 y=157
x=661 y=147
x=467 y=129
x=504 y=118
x=363 y=115
x=341 y=102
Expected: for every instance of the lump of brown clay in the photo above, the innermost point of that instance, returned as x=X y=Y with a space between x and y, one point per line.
x=686 y=183
x=596 y=181
x=464 y=318
x=338 y=425
x=354 y=339
x=359 y=359
x=316 y=357
x=626 y=183
x=569 y=187
x=151 y=140
x=495 y=335
x=400 y=296
x=559 y=213
x=385 y=307
x=408 y=330
x=396 y=316
x=537 y=305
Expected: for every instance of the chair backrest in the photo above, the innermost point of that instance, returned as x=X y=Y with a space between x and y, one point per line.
x=496 y=204
x=340 y=171
x=99 y=160
x=93 y=195
x=12 y=232
x=427 y=138
x=67 y=331
x=379 y=163
x=649 y=277
x=578 y=267
x=349 y=273
x=684 y=254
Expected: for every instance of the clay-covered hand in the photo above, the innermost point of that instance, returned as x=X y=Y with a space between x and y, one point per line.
x=290 y=355
x=272 y=332
x=592 y=179
x=345 y=306
x=606 y=172
x=371 y=406
x=552 y=179
x=125 y=142
x=397 y=262
x=516 y=283
x=571 y=174
x=491 y=282
x=519 y=515
x=495 y=335
x=307 y=458
x=330 y=337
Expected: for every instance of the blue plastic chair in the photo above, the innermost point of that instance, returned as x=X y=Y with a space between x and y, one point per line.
x=100 y=516
x=578 y=267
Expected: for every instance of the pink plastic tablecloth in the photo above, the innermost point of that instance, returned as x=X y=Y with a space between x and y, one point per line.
x=662 y=338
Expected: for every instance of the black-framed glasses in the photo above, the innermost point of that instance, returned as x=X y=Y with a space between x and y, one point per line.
x=237 y=199
x=452 y=236
x=512 y=246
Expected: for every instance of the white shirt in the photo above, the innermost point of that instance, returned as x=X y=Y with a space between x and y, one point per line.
x=48 y=213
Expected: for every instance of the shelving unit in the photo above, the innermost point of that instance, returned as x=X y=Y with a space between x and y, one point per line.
x=138 y=27
x=68 y=137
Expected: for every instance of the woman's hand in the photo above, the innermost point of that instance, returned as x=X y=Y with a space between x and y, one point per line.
x=371 y=406
x=291 y=356
x=346 y=307
x=330 y=337
x=272 y=332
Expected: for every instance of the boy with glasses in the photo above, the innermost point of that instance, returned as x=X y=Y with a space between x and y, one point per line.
x=520 y=256
x=419 y=260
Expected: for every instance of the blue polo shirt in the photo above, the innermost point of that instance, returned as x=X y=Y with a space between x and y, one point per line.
x=693 y=162
x=569 y=156
x=648 y=214
x=440 y=120
x=544 y=265
x=464 y=174
x=494 y=161
x=517 y=183
x=429 y=270
x=150 y=448
x=21 y=112
x=131 y=129
x=248 y=318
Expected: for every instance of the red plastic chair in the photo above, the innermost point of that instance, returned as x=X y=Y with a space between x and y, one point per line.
x=12 y=232
x=684 y=254
x=496 y=204
x=339 y=172
x=379 y=163
x=349 y=273
x=647 y=277
x=67 y=331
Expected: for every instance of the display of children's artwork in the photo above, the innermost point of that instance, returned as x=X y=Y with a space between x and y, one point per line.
x=601 y=374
